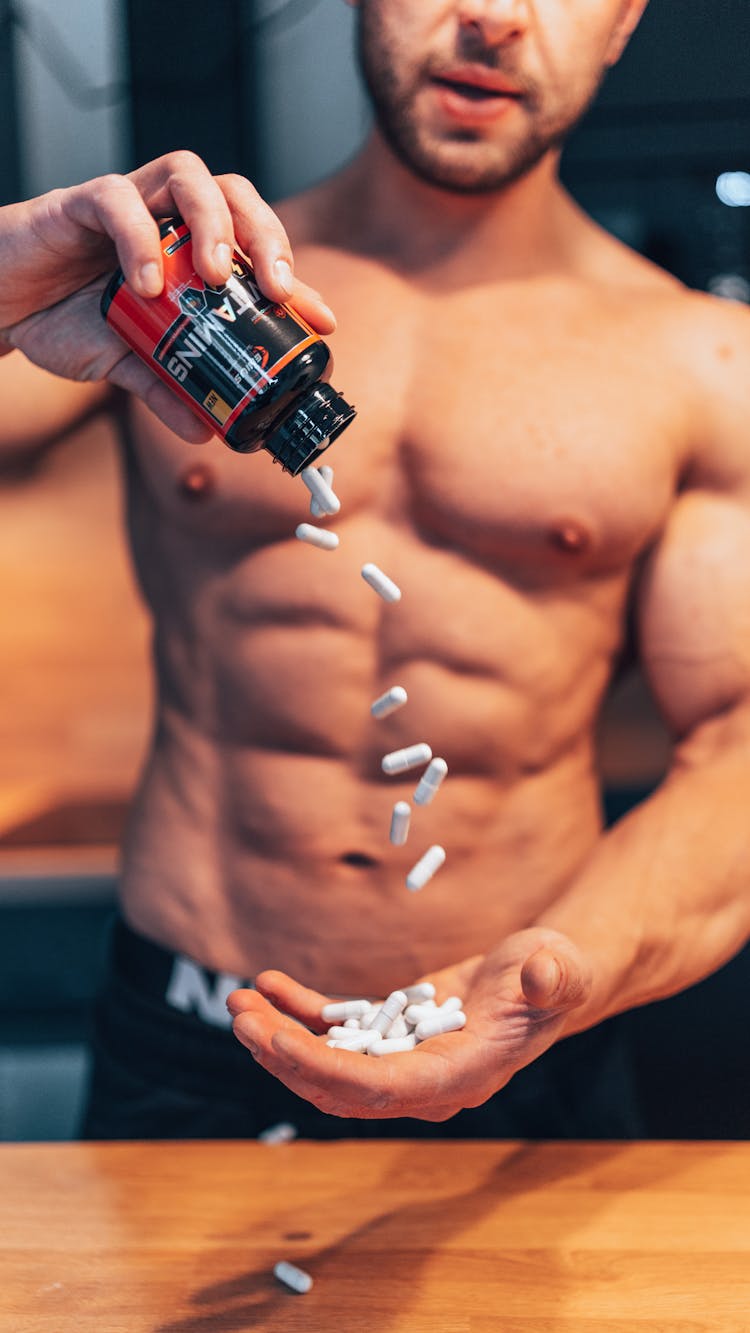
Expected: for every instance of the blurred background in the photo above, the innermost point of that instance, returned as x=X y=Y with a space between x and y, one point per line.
x=269 y=88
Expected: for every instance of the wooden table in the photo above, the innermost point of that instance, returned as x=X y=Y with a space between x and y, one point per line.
x=426 y=1237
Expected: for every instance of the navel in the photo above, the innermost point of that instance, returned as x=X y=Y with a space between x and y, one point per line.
x=198 y=482
x=569 y=535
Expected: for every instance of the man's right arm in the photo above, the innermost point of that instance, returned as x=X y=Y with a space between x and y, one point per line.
x=56 y=252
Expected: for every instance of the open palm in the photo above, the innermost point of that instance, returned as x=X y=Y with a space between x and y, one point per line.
x=517 y=999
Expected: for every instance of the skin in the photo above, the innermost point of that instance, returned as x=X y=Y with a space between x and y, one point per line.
x=551 y=438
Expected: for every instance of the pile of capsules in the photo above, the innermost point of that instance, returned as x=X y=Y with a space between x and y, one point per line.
x=324 y=501
x=397 y=1023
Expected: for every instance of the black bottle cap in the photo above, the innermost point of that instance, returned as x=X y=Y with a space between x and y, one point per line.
x=313 y=423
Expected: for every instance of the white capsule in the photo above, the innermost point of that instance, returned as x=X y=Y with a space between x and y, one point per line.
x=426 y=866
x=342 y=1009
x=319 y=488
x=414 y=1013
x=281 y=1133
x=351 y=1023
x=430 y=781
x=399 y=761
x=367 y=1019
x=451 y=1005
x=439 y=1023
x=389 y=1045
x=388 y=1011
x=327 y=541
x=380 y=583
x=400 y=823
x=357 y=1041
x=399 y=1028
x=292 y=1277
x=339 y=1033
x=387 y=703
x=326 y=473
x=423 y=990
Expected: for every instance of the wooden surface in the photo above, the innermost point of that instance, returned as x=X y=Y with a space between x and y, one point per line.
x=426 y=1237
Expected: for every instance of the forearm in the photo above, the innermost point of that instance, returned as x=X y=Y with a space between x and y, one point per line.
x=664 y=899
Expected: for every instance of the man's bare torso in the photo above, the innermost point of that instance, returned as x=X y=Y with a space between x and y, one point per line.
x=517 y=450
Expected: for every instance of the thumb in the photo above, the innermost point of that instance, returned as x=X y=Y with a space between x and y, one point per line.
x=555 y=979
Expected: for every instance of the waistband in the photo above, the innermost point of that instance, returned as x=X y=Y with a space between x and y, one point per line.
x=173 y=978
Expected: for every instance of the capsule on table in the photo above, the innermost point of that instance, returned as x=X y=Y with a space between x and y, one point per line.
x=326 y=473
x=430 y=781
x=294 y=1278
x=400 y=820
x=327 y=541
x=284 y=1132
x=427 y=865
x=320 y=490
x=388 y=703
x=400 y=761
x=380 y=582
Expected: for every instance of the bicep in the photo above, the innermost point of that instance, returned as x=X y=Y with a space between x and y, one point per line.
x=693 y=609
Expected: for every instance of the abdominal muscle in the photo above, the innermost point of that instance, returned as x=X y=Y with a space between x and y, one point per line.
x=248 y=856
x=258 y=837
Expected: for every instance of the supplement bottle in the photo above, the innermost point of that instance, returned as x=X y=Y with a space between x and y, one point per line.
x=251 y=369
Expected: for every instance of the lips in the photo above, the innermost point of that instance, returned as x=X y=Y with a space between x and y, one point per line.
x=476 y=82
x=474 y=97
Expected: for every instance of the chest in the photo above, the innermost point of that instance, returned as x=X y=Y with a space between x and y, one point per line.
x=524 y=429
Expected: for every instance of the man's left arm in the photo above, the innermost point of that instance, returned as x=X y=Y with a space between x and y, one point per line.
x=665 y=898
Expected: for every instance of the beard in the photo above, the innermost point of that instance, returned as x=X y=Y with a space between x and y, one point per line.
x=460 y=159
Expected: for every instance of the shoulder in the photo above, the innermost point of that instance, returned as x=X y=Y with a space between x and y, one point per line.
x=697 y=344
x=709 y=341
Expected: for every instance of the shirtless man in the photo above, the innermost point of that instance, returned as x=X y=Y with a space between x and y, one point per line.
x=552 y=432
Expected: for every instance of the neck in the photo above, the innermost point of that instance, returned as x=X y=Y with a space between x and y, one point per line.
x=519 y=228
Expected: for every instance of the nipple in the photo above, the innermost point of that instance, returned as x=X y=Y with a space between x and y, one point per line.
x=571 y=536
x=198 y=482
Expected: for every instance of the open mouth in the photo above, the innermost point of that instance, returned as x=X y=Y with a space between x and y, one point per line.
x=472 y=92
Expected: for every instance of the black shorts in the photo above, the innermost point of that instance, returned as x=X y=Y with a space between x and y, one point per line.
x=166 y=1065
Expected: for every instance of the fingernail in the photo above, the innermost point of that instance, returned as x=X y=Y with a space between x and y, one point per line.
x=326 y=310
x=150 y=278
x=284 y=276
x=223 y=256
x=552 y=974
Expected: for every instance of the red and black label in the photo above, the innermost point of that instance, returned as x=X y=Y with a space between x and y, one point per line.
x=219 y=347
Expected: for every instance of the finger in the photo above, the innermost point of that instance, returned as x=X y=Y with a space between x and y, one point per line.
x=292 y=998
x=262 y=236
x=555 y=978
x=389 y=1085
x=257 y=1025
x=112 y=206
x=310 y=305
x=131 y=374
x=181 y=183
